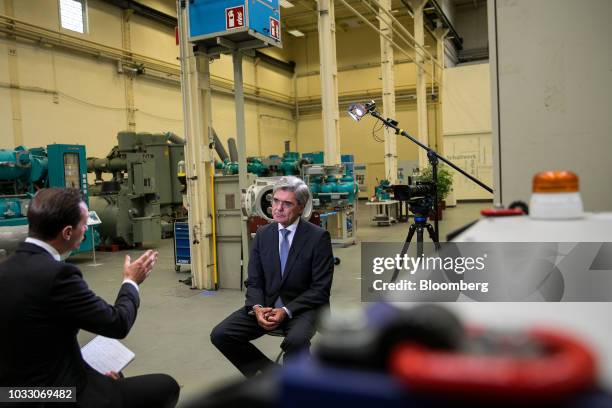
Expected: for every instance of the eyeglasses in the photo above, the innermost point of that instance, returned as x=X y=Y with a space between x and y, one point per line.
x=287 y=205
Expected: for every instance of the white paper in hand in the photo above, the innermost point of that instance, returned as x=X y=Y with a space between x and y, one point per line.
x=104 y=354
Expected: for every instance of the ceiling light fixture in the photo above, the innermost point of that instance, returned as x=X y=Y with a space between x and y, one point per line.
x=296 y=33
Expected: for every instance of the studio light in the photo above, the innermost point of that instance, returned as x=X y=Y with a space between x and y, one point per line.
x=359 y=110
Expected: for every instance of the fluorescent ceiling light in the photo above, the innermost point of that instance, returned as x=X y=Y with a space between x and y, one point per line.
x=296 y=33
x=285 y=4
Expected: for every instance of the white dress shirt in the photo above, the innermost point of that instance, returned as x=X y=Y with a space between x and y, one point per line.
x=42 y=244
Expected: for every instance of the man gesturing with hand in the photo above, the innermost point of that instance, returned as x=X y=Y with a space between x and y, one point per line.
x=44 y=302
x=290 y=276
x=140 y=269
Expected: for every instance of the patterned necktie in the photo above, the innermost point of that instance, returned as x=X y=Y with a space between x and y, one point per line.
x=284 y=249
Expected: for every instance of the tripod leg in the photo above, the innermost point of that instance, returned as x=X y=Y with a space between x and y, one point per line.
x=408 y=239
x=404 y=249
x=433 y=236
x=419 y=240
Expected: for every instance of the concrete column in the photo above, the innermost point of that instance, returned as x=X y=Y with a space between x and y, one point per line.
x=421 y=80
x=388 y=91
x=13 y=71
x=329 y=81
x=196 y=90
x=241 y=146
x=126 y=43
x=440 y=34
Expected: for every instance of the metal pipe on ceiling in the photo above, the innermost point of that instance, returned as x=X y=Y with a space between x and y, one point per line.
x=457 y=40
x=358 y=14
x=397 y=22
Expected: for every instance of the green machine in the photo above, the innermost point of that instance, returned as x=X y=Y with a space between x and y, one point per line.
x=143 y=196
x=23 y=172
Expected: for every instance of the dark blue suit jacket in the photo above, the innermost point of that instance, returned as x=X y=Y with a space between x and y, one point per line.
x=306 y=283
x=43 y=304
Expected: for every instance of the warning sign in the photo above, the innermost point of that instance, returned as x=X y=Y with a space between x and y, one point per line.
x=234 y=17
x=274 y=28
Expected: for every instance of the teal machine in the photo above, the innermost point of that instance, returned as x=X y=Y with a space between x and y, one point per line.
x=334 y=192
x=23 y=172
x=333 y=185
x=289 y=164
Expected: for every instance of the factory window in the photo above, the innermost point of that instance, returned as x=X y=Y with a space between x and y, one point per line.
x=73 y=15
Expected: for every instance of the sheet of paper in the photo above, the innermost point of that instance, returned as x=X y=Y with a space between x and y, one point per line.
x=104 y=354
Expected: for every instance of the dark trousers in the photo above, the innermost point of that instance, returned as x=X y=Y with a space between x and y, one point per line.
x=234 y=334
x=150 y=390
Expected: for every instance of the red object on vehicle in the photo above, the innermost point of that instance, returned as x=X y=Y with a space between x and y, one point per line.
x=564 y=368
x=501 y=212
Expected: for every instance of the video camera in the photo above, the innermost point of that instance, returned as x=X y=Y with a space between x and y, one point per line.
x=420 y=196
x=421 y=189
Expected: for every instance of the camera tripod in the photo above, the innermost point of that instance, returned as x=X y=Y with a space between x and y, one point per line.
x=419 y=226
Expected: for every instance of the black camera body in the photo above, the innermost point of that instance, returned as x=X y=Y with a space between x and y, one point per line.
x=420 y=196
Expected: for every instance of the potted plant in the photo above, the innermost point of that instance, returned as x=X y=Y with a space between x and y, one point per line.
x=445 y=182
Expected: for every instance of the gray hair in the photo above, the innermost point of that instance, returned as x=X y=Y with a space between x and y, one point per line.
x=295 y=185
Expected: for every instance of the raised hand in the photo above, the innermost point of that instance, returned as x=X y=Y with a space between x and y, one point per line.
x=140 y=269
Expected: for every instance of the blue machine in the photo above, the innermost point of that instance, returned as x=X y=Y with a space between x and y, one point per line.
x=236 y=20
x=25 y=171
x=349 y=163
x=182 y=252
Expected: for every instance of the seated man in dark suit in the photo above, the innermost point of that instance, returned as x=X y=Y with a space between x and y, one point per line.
x=290 y=276
x=44 y=302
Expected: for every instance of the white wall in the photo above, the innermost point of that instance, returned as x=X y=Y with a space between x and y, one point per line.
x=466 y=115
x=552 y=87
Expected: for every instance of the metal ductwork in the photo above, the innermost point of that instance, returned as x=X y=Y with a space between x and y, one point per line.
x=219 y=147
x=233 y=150
x=173 y=138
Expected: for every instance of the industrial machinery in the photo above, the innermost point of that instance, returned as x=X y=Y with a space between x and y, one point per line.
x=289 y=164
x=25 y=171
x=334 y=192
x=143 y=197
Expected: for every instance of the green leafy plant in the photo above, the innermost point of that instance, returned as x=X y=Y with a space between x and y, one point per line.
x=445 y=180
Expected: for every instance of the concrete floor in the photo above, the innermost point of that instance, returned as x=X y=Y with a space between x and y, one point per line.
x=171 y=333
